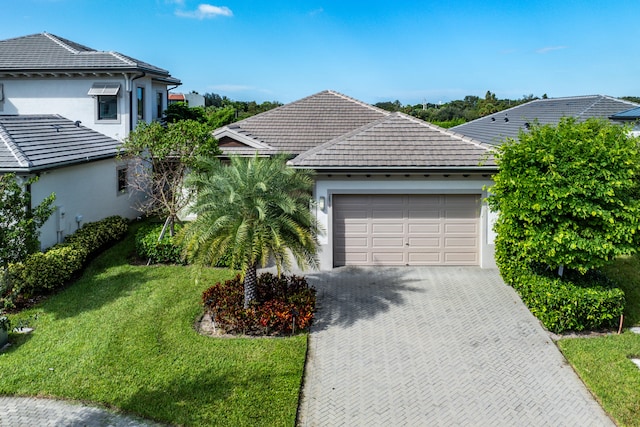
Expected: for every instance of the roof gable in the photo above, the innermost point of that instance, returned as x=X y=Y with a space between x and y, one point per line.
x=495 y=128
x=304 y=124
x=397 y=141
x=30 y=143
x=46 y=52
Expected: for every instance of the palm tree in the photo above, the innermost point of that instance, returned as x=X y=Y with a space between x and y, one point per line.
x=256 y=209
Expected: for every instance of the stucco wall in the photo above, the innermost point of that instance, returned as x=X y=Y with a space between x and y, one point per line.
x=328 y=186
x=89 y=190
x=68 y=98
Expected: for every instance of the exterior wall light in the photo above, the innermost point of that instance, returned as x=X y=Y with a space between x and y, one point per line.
x=322 y=203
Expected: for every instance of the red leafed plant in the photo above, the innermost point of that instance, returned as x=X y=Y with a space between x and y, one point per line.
x=284 y=305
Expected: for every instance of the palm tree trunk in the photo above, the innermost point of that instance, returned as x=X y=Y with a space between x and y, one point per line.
x=250 y=281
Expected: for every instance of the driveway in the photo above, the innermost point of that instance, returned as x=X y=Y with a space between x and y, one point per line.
x=434 y=347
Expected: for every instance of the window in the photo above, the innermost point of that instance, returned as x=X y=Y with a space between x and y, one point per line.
x=122 y=179
x=107 y=107
x=159 y=99
x=106 y=95
x=140 y=93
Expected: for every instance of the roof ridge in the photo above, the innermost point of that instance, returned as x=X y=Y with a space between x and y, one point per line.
x=13 y=148
x=357 y=101
x=457 y=135
x=122 y=58
x=59 y=42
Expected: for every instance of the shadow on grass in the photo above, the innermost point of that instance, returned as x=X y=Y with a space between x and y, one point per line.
x=348 y=294
x=210 y=398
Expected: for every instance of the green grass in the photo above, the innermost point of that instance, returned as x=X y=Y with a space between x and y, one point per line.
x=123 y=336
x=603 y=362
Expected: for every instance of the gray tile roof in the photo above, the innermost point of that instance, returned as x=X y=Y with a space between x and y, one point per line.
x=397 y=141
x=304 y=124
x=35 y=142
x=494 y=128
x=46 y=52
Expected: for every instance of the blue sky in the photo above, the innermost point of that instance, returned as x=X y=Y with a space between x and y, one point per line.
x=412 y=51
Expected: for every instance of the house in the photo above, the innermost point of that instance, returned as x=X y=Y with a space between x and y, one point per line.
x=108 y=92
x=631 y=117
x=191 y=99
x=390 y=189
x=64 y=110
x=495 y=128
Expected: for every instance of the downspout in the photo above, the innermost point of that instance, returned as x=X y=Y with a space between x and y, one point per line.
x=130 y=90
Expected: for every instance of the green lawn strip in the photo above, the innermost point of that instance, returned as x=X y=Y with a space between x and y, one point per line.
x=604 y=366
x=123 y=336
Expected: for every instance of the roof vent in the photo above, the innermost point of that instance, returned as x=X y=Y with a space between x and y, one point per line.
x=527 y=125
x=493 y=119
x=506 y=119
x=77 y=123
x=56 y=127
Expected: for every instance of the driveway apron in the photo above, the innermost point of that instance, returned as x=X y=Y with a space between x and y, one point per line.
x=437 y=346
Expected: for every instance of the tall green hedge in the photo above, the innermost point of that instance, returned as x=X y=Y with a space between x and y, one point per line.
x=42 y=272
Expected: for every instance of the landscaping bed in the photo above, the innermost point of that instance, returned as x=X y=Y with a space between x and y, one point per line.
x=123 y=336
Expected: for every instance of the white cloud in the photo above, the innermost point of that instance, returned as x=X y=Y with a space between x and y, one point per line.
x=316 y=12
x=205 y=11
x=550 y=49
x=232 y=88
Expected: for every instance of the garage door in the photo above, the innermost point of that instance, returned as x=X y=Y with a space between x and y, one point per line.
x=406 y=229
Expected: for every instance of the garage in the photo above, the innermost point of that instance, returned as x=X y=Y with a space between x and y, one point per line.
x=414 y=229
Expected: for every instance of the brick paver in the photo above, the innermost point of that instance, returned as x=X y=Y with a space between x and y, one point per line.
x=31 y=412
x=434 y=347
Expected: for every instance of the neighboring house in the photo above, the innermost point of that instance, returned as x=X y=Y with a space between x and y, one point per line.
x=72 y=161
x=64 y=109
x=191 y=99
x=630 y=117
x=495 y=128
x=390 y=189
x=106 y=91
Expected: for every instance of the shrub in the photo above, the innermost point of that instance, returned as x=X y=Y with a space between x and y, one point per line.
x=575 y=302
x=283 y=304
x=44 y=272
x=166 y=251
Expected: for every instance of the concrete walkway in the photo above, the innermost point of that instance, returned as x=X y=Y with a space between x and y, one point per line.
x=434 y=347
x=31 y=412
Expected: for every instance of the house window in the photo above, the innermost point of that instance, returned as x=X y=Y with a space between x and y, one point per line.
x=159 y=99
x=107 y=107
x=122 y=179
x=106 y=95
x=140 y=94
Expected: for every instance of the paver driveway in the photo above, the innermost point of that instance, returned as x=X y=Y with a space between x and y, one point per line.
x=434 y=346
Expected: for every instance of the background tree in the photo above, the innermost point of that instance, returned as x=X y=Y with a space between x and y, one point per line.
x=567 y=195
x=164 y=155
x=255 y=209
x=19 y=223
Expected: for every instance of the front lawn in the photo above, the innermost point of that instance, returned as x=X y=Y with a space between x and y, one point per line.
x=603 y=362
x=123 y=336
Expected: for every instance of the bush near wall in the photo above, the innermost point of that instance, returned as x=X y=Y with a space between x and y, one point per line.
x=165 y=251
x=41 y=273
x=284 y=305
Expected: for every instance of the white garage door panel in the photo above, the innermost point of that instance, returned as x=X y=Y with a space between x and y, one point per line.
x=406 y=229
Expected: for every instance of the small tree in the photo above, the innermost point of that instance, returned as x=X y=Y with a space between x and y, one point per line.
x=255 y=209
x=19 y=222
x=167 y=153
x=567 y=196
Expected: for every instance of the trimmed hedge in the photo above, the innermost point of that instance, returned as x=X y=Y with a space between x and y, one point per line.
x=166 y=251
x=284 y=305
x=42 y=272
x=572 y=303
